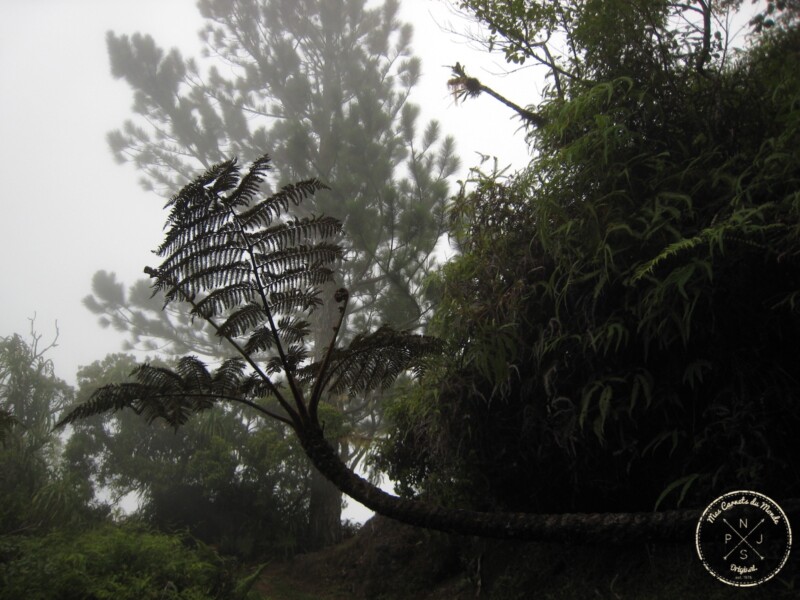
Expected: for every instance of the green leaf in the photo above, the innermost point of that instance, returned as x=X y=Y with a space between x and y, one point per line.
x=684 y=483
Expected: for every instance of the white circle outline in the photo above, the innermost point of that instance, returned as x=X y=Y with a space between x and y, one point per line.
x=775 y=571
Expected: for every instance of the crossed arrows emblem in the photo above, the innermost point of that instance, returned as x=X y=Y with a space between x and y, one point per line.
x=742 y=539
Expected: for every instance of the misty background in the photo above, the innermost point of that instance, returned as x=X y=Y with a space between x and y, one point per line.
x=69 y=210
x=64 y=197
x=612 y=345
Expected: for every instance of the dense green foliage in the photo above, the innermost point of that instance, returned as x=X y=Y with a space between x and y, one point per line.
x=37 y=490
x=624 y=312
x=242 y=487
x=55 y=540
x=122 y=563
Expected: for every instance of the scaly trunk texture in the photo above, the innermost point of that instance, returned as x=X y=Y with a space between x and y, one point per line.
x=606 y=528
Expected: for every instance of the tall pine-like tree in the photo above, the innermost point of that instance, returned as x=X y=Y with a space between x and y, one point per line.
x=323 y=86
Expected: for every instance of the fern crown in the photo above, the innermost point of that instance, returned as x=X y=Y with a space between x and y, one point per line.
x=224 y=250
x=254 y=272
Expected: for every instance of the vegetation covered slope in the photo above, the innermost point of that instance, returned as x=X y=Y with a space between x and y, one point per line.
x=623 y=315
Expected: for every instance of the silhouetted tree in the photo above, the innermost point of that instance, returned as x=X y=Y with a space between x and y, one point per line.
x=324 y=87
x=255 y=275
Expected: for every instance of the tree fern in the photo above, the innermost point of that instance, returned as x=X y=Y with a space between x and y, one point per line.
x=253 y=272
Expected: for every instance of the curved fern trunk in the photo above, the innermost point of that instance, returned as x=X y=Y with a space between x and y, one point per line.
x=605 y=528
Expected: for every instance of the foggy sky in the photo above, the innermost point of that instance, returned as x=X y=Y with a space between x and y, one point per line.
x=67 y=209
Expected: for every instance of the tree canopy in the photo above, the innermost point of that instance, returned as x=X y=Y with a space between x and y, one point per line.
x=227 y=477
x=56 y=540
x=36 y=491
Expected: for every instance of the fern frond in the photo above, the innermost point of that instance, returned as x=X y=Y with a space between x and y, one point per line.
x=735 y=229
x=160 y=378
x=185 y=227
x=228 y=378
x=110 y=398
x=193 y=372
x=300 y=256
x=291 y=330
x=296 y=231
x=671 y=250
x=223 y=299
x=222 y=253
x=147 y=401
x=299 y=191
x=210 y=277
x=254 y=386
x=194 y=264
x=291 y=280
x=227 y=178
x=295 y=299
x=205 y=241
x=296 y=354
x=243 y=320
x=264 y=213
x=250 y=183
x=174 y=396
x=377 y=359
x=189 y=193
x=260 y=340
